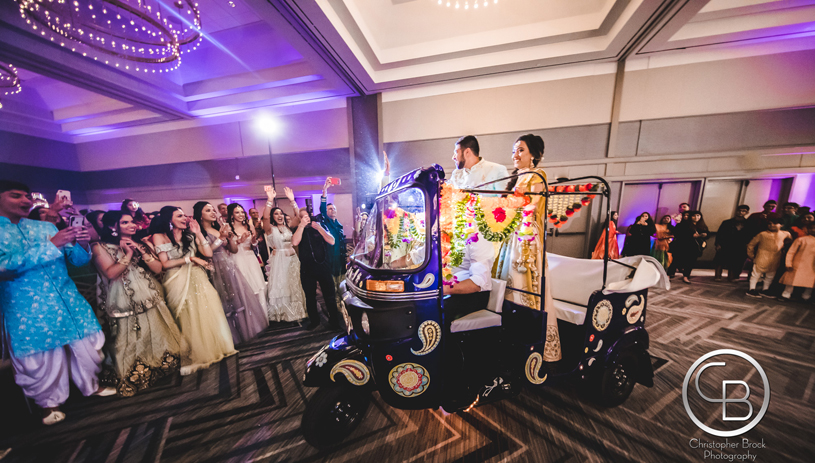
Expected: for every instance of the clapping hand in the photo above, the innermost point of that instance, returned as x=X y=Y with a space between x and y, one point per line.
x=194 y=226
x=246 y=235
x=226 y=233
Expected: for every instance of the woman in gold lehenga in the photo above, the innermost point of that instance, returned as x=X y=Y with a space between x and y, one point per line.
x=520 y=259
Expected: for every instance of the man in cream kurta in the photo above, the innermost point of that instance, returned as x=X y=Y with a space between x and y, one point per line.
x=472 y=170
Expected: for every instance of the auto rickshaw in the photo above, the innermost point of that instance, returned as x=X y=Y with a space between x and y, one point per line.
x=402 y=344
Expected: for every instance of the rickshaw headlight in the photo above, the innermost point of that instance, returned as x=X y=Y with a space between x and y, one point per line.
x=366 y=327
x=394 y=286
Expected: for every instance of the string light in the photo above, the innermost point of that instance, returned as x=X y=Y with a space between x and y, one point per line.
x=99 y=28
x=9 y=81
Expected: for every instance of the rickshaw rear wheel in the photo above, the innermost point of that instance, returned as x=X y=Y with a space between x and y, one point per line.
x=333 y=413
x=618 y=380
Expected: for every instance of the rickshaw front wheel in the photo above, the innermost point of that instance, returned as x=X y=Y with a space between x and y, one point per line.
x=618 y=380
x=333 y=413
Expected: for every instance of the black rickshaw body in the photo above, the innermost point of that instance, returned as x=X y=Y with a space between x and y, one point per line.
x=399 y=342
x=399 y=352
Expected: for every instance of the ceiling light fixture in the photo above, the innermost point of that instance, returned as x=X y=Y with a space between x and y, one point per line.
x=145 y=31
x=9 y=80
x=457 y=4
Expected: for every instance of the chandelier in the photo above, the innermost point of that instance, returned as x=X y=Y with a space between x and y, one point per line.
x=9 y=80
x=466 y=4
x=145 y=35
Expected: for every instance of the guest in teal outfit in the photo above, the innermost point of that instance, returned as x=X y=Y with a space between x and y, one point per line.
x=339 y=252
x=49 y=329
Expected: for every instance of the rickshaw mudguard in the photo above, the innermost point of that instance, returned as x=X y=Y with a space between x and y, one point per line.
x=339 y=360
x=635 y=340
x=607 y=339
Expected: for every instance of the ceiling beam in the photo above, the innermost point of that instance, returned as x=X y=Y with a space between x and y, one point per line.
x=27 y=51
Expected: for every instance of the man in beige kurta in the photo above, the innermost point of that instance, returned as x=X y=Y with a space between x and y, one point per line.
x=765 y=249
x=800 y=265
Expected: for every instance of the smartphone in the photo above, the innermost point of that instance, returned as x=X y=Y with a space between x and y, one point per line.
x=65 y=195
x=76 y=221
x=267 y=188
x=334 y=180
x=38 y=200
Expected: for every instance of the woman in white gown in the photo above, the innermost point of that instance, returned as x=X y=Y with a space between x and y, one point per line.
x=287 y=301
x=245 y=259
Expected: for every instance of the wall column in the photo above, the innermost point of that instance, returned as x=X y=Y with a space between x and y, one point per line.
x=365 y=144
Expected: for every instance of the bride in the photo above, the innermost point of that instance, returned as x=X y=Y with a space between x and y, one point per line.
x=519 y=262
x=287 y=302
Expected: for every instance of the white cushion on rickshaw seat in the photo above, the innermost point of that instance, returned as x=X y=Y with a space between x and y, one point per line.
x=497 y=296
x=569 y=312
x=476 y=321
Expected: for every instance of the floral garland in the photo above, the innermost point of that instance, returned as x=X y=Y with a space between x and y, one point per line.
x=395 y=239
x=562 y=207
x=465 y=215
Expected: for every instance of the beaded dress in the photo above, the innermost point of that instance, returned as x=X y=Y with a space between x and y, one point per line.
x=197 y=309
x=287 y=301
x=247 y=264
x=244 y=313
x=520 y=263
x=144 y=343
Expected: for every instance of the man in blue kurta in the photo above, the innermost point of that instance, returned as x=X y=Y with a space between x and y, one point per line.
x=49 y=329
x=338 y=250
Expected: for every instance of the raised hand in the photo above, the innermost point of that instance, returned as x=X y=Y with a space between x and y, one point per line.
x=387 y=164
x=270 y=193
x=289 y=193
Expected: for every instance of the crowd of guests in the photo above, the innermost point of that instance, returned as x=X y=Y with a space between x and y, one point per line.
x=777 y=248
x=174 y=292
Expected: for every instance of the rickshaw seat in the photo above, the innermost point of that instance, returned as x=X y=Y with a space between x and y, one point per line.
x=569 y=312
x=487 y=318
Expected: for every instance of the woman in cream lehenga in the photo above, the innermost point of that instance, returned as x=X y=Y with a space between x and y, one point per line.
x=192 y=299
x=520 y=262
x=287 y=301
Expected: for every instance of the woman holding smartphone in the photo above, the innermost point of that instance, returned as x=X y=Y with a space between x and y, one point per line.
x=144 y=342
x=194 y=302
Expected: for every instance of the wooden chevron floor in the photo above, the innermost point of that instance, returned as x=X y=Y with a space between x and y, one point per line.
x=248 y=408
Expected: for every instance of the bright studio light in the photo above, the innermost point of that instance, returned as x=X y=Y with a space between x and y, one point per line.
x=267 y=125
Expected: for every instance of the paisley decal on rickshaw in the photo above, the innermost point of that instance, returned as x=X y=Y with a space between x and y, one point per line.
x=430 y=335
x=354 y=371
x=599 y=345
x=634 y=311
x=533 y=367
x=601 y=317
x=409 y=379
x=426 y=282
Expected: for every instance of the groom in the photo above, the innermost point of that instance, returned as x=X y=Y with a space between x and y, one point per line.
x=471 y=170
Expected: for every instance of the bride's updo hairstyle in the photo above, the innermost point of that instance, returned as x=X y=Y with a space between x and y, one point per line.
x=534 y=144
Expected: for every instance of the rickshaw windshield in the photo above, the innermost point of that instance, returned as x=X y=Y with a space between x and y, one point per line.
x=394 y=235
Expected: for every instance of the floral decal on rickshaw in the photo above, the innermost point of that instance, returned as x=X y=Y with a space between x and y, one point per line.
x=601 y=317
x=409 y=379
x=430 y=335
x=354 y=371
x=533 y=367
